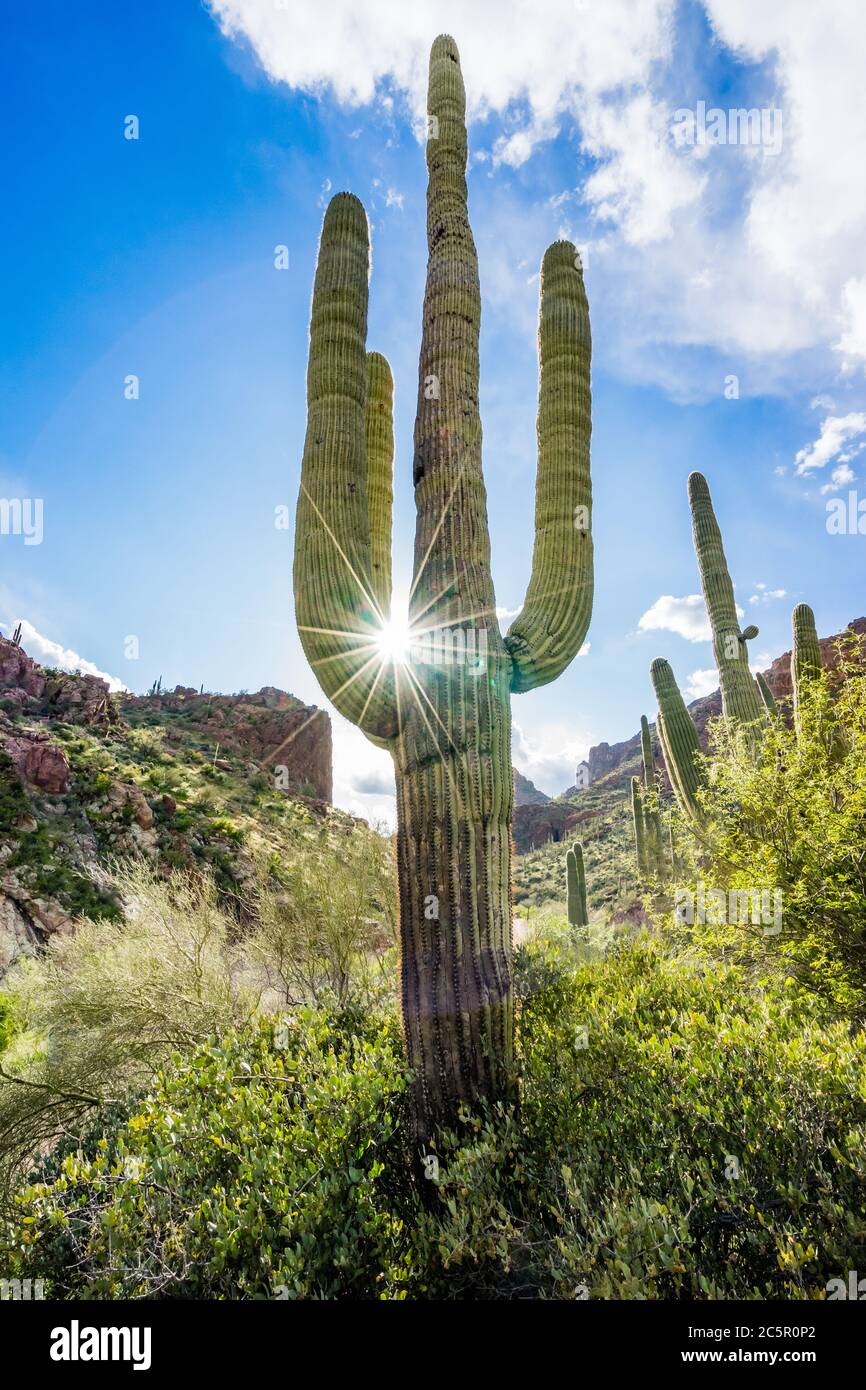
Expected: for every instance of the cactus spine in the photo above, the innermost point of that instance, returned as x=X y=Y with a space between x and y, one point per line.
x=575 y=875
x=678 y=737
x=446 y=723
x=740 y=698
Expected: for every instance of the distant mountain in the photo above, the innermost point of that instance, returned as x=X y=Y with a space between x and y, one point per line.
x=526 y=793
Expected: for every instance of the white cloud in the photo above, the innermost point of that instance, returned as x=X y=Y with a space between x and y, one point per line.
x=685 y=616
x=766 y=595
x=549 y=757
x=393 y=199
x=836 y=431
x=506 y=54
x=50 y=653
x=839 y=478
x=641 y=181
x=363 y=775
x=701 y=683
x=574 y=65
x=853 y=340
x=774 y=280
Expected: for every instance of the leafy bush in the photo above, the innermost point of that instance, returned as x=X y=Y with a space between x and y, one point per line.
x=99 y=1011
x=677 y=1138
x=13 y=799
x=792 y=822
x=256 y=1169
x=327 y=924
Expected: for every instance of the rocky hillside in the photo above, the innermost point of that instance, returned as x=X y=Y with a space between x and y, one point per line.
x=182 y=777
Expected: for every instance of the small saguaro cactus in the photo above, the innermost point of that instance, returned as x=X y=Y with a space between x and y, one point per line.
x=575 y=874
x=640 y=830
x=766 y=693
x=652 y=816
x=442 y=708
x=678 y=738
x=740 y=698
x=805 y=656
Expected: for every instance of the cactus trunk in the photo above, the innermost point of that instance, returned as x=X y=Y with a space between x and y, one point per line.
x=444 y=713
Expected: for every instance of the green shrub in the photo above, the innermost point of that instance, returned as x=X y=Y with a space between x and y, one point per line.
x=256 y=1170
x=13 y=798
x=100 y=1010
x=791 y=822
x=677 y=1138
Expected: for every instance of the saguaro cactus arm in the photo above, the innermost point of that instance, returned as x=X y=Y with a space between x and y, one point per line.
x=571 y=889
x=338 y=613
x=581 y=884
x=548 y=632
x=652 y=815
x=380 y=473
x=646 y=748
x=740 y=698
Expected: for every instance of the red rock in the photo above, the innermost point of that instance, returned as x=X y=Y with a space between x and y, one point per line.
x=40 y=763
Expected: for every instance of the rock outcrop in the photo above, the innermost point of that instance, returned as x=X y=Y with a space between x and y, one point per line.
x=37 y=761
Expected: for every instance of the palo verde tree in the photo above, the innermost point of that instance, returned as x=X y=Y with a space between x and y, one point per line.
x=444 y=713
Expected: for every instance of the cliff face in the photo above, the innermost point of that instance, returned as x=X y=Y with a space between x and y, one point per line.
x=182 y=778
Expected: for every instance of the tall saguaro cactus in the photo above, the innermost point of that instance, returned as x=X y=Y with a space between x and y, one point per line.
x=805 y=656
x=741 y=700
x=445 y=720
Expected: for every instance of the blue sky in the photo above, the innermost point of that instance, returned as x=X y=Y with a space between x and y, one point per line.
x=155 y=257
